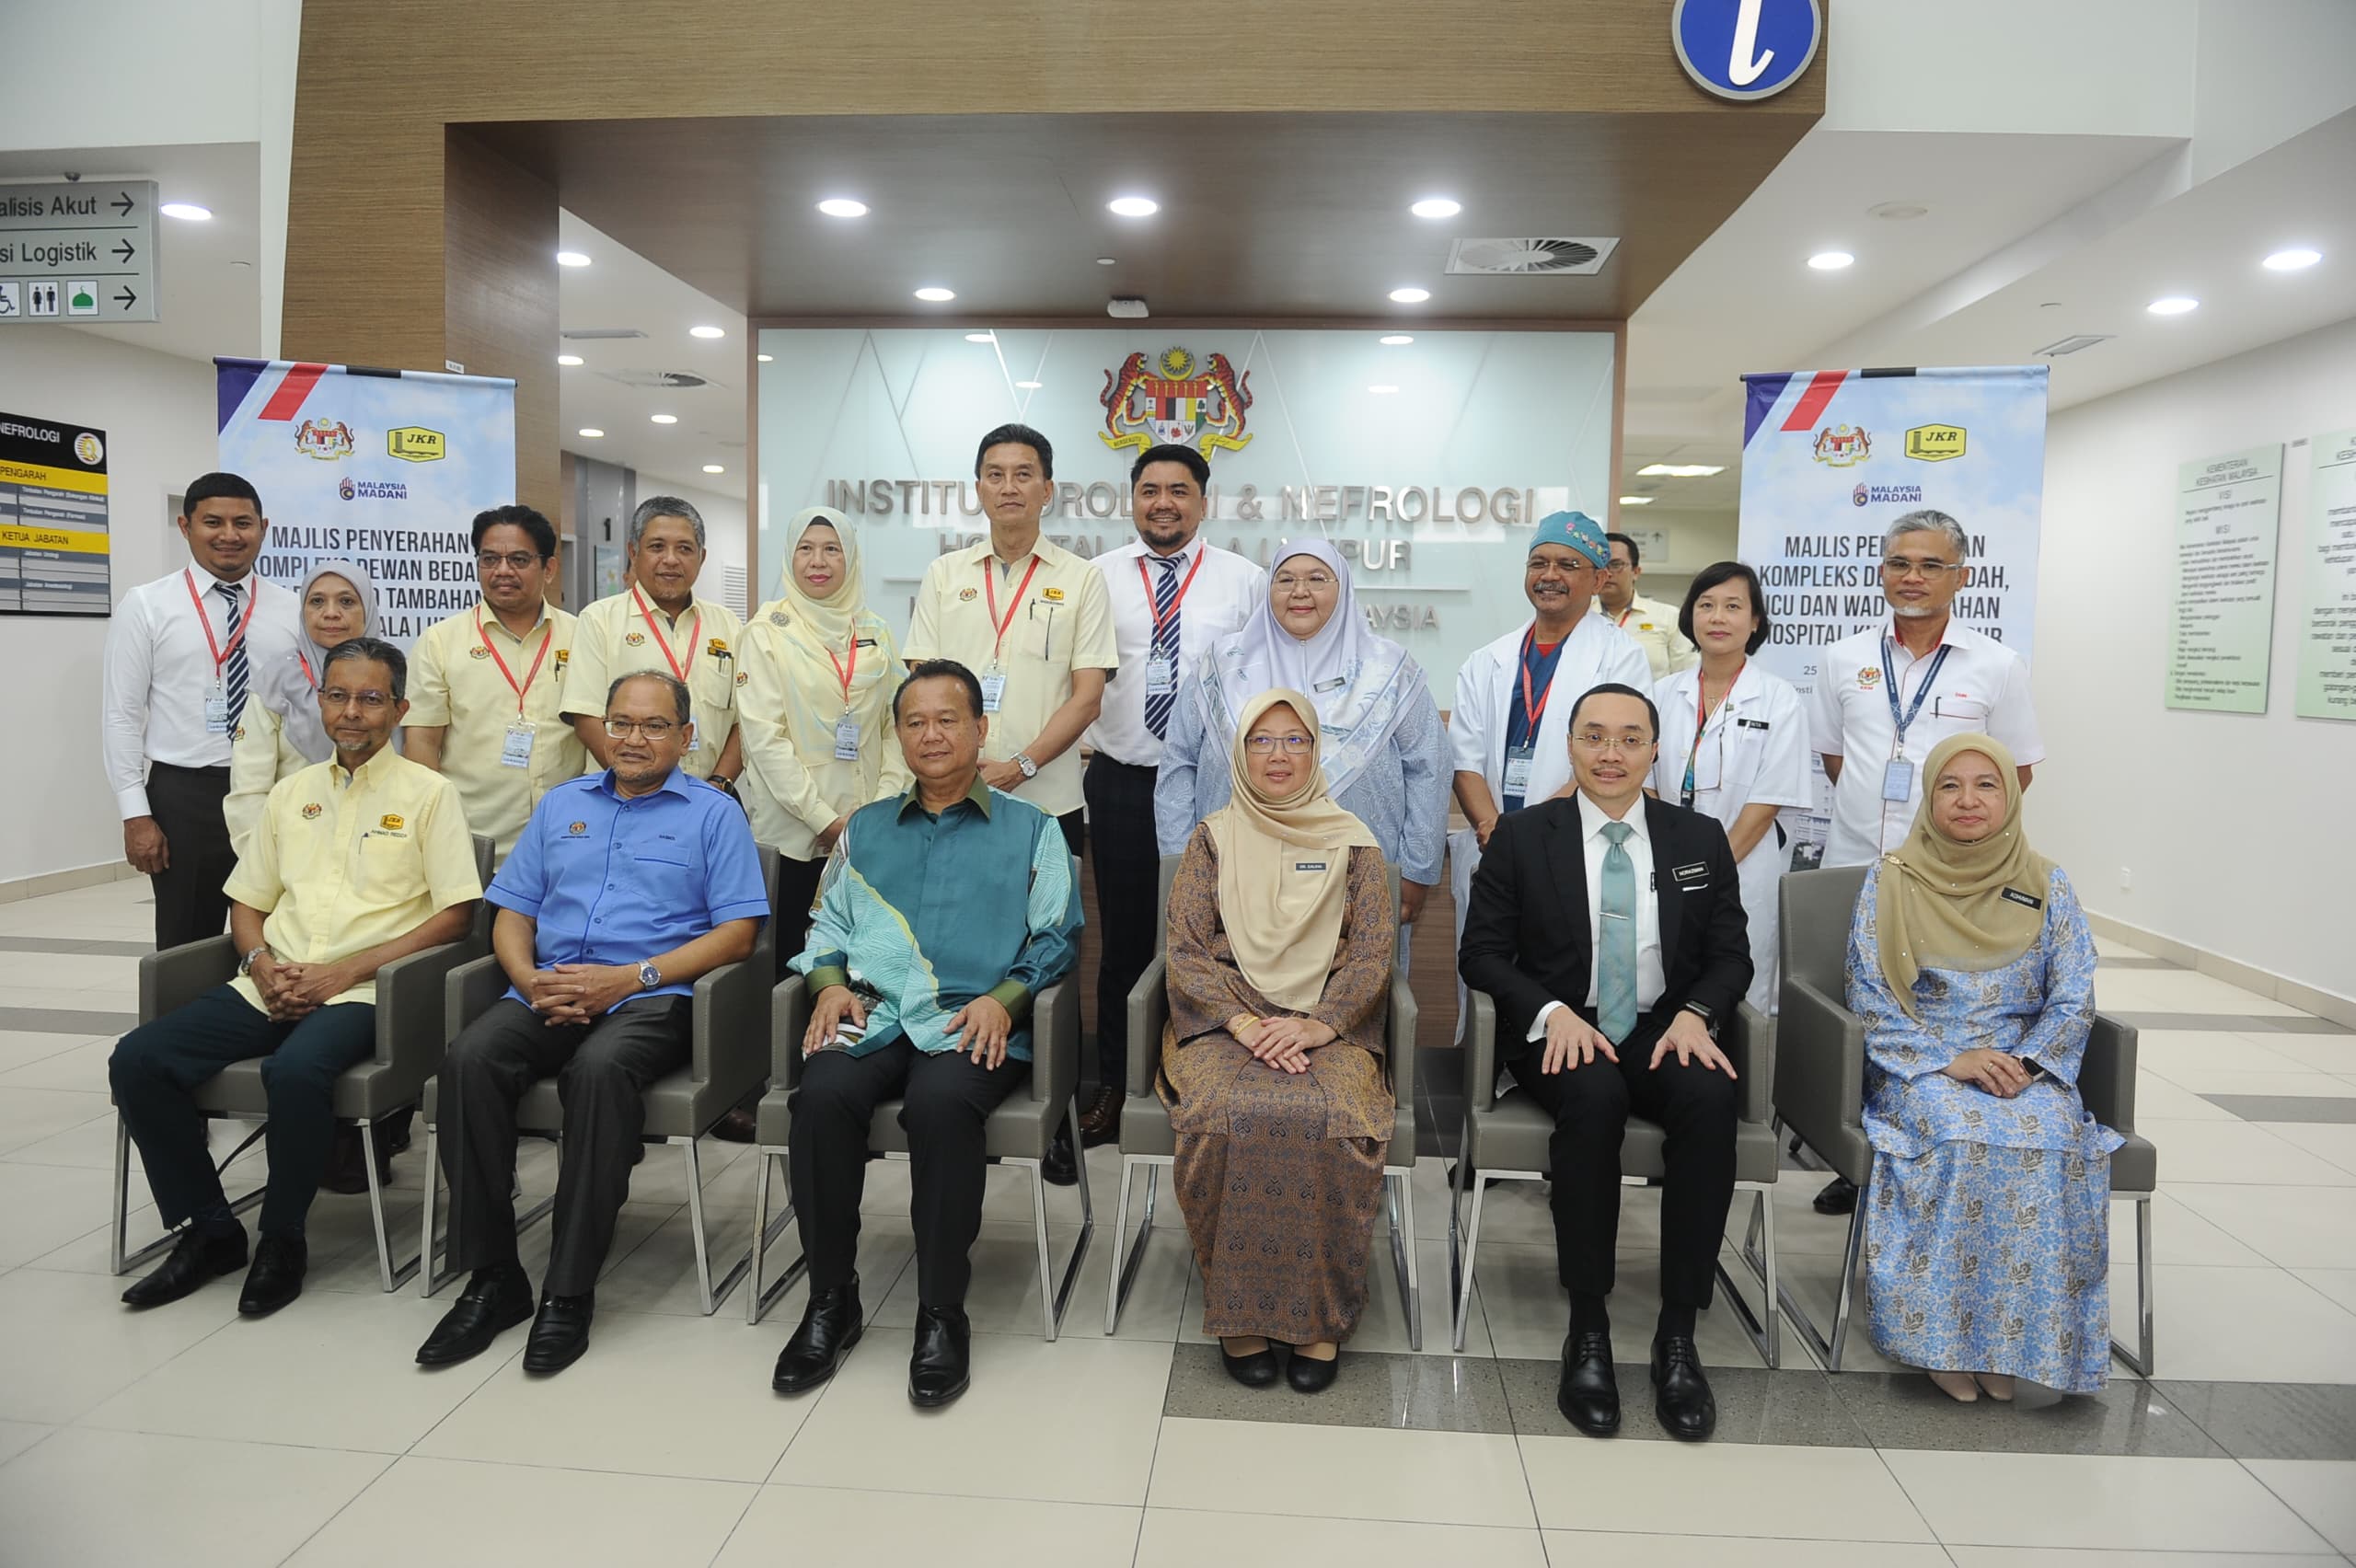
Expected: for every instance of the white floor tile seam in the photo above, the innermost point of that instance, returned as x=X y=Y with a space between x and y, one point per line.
x=2259 y=1476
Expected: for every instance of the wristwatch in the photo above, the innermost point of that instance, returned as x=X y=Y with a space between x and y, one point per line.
x=1023 y=760
x=1709 y=1019
x=648 y=975
x=246 y=960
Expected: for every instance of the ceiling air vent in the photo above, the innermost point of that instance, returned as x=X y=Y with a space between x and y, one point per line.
x=598 y=334
x=1560 y=257
x=2071 y=344
x=676 y=379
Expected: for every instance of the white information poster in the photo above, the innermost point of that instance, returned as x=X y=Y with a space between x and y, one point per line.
x=2328 y=636
x=2222 y=624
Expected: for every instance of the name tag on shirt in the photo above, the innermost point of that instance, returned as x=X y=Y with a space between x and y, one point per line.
x=1694 y=877
x=845 y=739
x=1752 y=724
x=515 y=751
x=216 y=710
x=2018 y=896
x=993 y=691
x=1309 y=865
x=1161 y=676
x=1898 y=781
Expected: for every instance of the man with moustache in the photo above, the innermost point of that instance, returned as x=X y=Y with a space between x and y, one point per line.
x=1650 y=624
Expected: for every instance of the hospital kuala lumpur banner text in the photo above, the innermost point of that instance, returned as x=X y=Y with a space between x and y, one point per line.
x=1831 y=457
x=386 y=469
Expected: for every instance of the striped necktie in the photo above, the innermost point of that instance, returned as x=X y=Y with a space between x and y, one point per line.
x=1165 y=646
x=1615 y=975
x=233 y=672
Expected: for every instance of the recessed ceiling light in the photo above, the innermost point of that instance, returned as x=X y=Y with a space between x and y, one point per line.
x=1680 y=470
x=2172 y=305
x=2292 y=260
x=664 y=418
x=568 y=359
x=1897 y=211
x=766 y=358
x=1382 y=389
x=187 y=211
x=707 y=331
x=981 y=337
x=571 y=259
x=1396 y=340
x=713 y=469
x=593 y=433
x=1108 y=261
x=1831 y=260
x=1410 y=297
x=1437 y=207
x=1134 y=206
x=1030 y=385
x=936 y=295
x=1636 y=500
x=842 y=207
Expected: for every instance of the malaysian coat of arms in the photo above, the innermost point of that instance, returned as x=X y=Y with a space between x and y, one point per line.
x=1173 y=401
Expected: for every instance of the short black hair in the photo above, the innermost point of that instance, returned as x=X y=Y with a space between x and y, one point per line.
x=1613 y=688
x=939 y=670
x=1712 y=576
x=1187 y=458
x=1636 y=557
x=1017 y=435
x=214 y=487
x=369 y=649
x=672 y=683
x=542 y=531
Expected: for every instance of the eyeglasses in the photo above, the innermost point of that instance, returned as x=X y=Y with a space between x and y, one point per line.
x=515 y=560
x=1616 y=567
x=653 y=729
x=1901 y=565
x=371 y=701
x=1313 y=581
x=1598 y=742
x=1266 y=744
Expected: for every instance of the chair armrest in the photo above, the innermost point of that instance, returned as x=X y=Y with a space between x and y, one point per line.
x=789 y=1020
x=2106 y=1074
x=1398 y=1039
x=1055 y=1042
x=1749 y=1045
x=1820 y=1073
x=730 y=1027
x=467 y=992
x=1149 y=1012
x=176 y=976
x=1481 y=1053
x=412 y=1008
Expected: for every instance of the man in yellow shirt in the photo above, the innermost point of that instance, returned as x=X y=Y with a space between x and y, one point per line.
x=486 y=704
x=357 y=862
x=1651 y=623
x=660 y=623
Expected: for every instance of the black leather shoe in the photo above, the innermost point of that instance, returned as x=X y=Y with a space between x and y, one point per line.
x=560 y=1332
x=494 y=1302
x=1099 y=1119
x=734 y=1127
x=1839 y=1196
x=347 y=1171
x=1589 y=1395
x=942 y=1365
x=195 y=1260
x=1254 y=1371
x=276 y=1277
x=1682 y=1396
x=830 y=1325
x=1059 y=1167
x=1312 y=1377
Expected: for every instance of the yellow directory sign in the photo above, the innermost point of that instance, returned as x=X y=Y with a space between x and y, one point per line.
x=55 y=545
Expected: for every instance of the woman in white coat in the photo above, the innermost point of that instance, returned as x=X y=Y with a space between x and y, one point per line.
x=1734 y=744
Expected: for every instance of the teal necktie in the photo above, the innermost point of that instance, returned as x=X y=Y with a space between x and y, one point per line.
x=1615 y=975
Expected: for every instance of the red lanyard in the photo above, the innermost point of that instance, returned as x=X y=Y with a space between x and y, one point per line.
x=220 y=654
x=695 y=638
x=305 y=660
x=1535 y=707
x=1625 y=615
x=1160 y=620
x=846 y=672
x=534 y=670
x=1702 y=696
x=989 y=582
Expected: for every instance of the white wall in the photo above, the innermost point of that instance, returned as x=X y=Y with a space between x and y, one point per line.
x=2235 y=826
x=157 y=412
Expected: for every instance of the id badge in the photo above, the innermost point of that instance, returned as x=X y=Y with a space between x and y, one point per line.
x=516 y=750
x=1161 y=676
x=993 y=689
x=1898 y=781
x=845 y=739
x=216 y=710
x=1518 y=761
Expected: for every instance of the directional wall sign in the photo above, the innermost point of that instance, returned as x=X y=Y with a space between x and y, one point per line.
x=77 y=251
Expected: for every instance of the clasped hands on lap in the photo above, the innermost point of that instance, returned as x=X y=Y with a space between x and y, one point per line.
x=578 y=993
x=1572 y=1042
x=983 y=1025
x=291 y=992
x=1997 y=1072
x=1283 y=1044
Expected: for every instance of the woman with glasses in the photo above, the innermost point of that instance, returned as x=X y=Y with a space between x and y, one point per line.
x=281 y=733
x=1280 y=945
x=1734 y=744
x=1378 y=731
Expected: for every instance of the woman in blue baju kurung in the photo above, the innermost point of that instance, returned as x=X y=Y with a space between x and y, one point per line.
x=1987 y=1239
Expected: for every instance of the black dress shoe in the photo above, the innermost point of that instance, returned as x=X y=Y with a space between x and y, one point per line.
x=1589 y=1395
x=1256 y=1370
x=195 y=1260
x=276 y=1277
x=347 y=1171
x=560 y=1332
x=830 y=1325
x=1059 y=1168
x=1839 y=1196
x=942 y=1365
x=1311 y=1377
x=1682 y=1396
x=736 y=1127
x=1099 y=1121
x=494 y=1302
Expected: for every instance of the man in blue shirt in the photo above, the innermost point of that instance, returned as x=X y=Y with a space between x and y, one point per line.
x=941 y=914
x=624 y=888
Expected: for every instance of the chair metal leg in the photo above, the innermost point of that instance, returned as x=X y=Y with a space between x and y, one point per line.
x=1827 y=1351
x=122 y=1260
x=760 y=1298
x=1054 y=1295
x=1402 y=1254
x=1480 y=1185
x=1120 y=1224
x=390 y=1278
x=1763 y=1330
x=2141 y=1361
x=1124 y=1276
x=710 y=1295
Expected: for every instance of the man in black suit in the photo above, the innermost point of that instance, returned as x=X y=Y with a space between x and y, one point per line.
x=1608 y=927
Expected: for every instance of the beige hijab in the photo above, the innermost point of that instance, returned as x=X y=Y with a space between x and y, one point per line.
x=1284 y=868
x=1943 y=903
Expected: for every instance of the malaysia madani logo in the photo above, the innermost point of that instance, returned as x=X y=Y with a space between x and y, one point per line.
x=1172 y=401
x=327 y=440
x=1858 y=497
x=345 y=487
x=1843 y=447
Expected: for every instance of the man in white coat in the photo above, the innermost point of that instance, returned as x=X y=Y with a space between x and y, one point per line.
x=1508 y=730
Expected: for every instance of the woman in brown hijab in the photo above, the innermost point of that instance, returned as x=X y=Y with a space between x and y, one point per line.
x=1281 y=932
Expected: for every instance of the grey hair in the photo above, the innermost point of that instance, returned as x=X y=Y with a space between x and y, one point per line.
x=1926 y=520
x=655 y=506
x=672 y=683
x=371 y=650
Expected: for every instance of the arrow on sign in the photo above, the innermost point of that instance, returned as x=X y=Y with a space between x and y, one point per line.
x=125 y=298
x=122 y=251
x=122 y=203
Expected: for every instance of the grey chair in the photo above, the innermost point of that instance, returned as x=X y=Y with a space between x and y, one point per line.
x=1148 y=1140
x=409 y=1045
x=1509 y=1139
x=724 y=1065
x=1820 y=1091
x=1017 y=1132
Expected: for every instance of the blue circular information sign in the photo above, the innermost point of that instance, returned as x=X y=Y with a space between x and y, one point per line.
x=1746 y=48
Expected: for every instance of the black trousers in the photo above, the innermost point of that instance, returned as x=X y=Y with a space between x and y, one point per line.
x=185 y=803
x=1129 y=873
x=797 y=885
x=1075 y=824
x=945 y=1100
x=1694 y=1105
x=157 y=1069
x=601 y=1070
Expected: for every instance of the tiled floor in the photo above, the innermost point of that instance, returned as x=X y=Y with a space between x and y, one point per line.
x=187 y=1435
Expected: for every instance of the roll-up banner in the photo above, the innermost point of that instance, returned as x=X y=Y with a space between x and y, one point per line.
x=1831 y=458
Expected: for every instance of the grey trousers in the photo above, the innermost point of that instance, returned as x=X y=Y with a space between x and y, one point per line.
x=601 y=1071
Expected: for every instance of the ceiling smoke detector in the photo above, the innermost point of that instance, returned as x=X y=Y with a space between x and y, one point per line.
x=656 y=379
x=2071 y=344
x=1560 y=257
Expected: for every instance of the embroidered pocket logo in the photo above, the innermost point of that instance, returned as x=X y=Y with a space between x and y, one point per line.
x=477 y=651
x=577 y=829
x=716 y=648
x=635 y=639
x=1869 y=678
x=967 y=596
x=1053 y=596
x=311 y=812
x=391 y=822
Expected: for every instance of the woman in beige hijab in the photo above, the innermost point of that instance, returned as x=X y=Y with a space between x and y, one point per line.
x=1988 y=1210
x=1281 y=932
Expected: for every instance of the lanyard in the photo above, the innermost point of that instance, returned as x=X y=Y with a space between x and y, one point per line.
x=1160 y=620
x=220 y=654
x=1889 y=678
x=534 y=670
x=989 y=582
x=1631 y=610
x=695 y=638
x=846 y=671
x=1702 y=722
x=1534 y=707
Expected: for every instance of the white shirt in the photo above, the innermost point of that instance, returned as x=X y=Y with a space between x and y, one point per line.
x=1754 y=752
x=159 y=668
x=1226 y=592
x=1650 y=981
x=1595 y=652
x=1982 y=690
